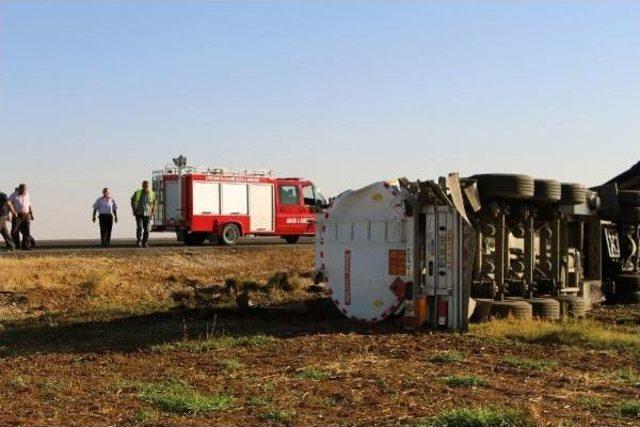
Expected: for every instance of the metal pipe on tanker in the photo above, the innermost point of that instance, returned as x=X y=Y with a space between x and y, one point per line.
x=555 y=251
x=529 y=254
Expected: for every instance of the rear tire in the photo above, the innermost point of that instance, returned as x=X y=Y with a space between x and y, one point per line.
x=573 y=194
x=519 y=310
x=505 y=186
x=545 y=308
x=572 y=306
x=292 y=240
x=547 y=191
x=230 y=235
x=482 y=313
x=194 y=239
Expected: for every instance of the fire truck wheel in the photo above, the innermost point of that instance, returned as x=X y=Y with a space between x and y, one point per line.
x=505 y=186
x=629 y=198
x=230 y=234
x=194 y=239
x=573 y=193
x=292 y=239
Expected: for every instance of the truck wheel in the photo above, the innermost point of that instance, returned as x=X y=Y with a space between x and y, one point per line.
x=573 y=194
x=571 y=306
x=230 y=234
x=547 y=190
x=292 y=239
x=545 y=308
x=505 y=186
x=629 y=198
x=482 y=313
x=519 y=310
x=194 y=239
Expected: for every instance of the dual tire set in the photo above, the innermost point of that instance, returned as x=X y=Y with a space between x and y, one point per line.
x=523 y=187
x=545 y=192
x=527 y=309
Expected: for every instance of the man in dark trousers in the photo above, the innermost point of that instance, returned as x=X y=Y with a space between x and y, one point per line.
x=24 y=215
x=107 y=209
x=143 y=205
x=6 y=213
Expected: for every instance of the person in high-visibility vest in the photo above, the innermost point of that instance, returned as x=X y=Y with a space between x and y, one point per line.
x=143 y=205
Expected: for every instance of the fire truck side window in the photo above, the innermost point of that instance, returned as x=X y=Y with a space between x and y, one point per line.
x=288 y=195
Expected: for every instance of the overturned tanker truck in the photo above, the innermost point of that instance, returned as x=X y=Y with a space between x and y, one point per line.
x=442 y=253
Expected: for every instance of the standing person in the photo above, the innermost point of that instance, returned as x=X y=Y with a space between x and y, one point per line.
x=143 y=204
x=14 y=221
x=6 y=213
x=107 y=209
x=24 y=213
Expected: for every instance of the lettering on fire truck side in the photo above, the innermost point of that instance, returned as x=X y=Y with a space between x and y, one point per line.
x=241 y=179
x=297 y=220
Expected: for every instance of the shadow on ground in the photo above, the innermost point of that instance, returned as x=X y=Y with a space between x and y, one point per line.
x=139 y=332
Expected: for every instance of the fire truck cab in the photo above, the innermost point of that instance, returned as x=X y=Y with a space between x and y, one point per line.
x=221 y=205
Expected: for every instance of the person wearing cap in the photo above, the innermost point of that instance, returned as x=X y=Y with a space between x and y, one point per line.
x=6 y=213
x=107 y=211
x=143 y=205
x=24 y=215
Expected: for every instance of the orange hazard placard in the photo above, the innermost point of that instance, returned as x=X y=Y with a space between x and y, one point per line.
x=397 y=262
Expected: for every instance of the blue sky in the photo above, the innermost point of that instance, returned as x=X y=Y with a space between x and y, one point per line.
x=102 y=92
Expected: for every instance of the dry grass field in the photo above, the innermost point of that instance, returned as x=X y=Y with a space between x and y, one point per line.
x=157 y=338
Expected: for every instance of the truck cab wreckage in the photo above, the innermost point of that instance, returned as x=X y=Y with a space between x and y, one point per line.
x=442 y=253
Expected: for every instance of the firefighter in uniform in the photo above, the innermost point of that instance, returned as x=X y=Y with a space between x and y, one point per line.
x=143 y=205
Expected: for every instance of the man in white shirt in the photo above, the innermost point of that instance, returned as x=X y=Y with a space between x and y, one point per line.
x=24 y=215
x=107 y=209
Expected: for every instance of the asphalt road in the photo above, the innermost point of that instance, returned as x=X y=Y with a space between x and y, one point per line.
x=93 y=245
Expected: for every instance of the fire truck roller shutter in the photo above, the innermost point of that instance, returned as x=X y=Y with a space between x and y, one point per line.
x=234 y=199
x=206 y=198
x=261 y=207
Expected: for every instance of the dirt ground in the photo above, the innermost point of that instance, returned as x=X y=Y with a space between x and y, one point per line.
x=131 y=339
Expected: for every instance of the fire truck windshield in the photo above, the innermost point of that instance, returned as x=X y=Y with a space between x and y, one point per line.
x=313 y=196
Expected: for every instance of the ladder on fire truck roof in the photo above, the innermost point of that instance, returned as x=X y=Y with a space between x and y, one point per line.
x=180 y=167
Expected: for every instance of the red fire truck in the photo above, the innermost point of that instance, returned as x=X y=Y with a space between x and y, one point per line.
x=220 y=205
